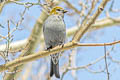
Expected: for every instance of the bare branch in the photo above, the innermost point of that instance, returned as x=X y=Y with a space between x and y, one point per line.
x=106 y=64
x=70 y=45
x=86 y=26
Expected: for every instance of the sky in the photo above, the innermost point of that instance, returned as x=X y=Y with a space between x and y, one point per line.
x=84 y=54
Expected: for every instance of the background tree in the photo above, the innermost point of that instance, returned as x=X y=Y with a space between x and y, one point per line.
x=93 y=24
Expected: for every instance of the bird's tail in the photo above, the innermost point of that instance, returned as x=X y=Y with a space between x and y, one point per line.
x=54 y=69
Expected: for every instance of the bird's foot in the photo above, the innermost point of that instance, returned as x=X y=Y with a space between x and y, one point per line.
x=49 y=48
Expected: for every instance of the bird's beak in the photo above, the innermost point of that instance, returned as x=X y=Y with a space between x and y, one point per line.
x=65 y=11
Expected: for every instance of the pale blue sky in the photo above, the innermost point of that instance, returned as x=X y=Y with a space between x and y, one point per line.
x=84 y=54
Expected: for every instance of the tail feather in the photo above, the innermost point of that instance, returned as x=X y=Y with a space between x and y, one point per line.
x=54 y=69
x=51 y=69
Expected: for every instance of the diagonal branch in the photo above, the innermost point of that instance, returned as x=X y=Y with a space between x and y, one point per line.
x=86 y=25
x=35 y=56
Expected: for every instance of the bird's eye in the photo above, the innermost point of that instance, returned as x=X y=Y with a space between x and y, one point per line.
x=58 y=9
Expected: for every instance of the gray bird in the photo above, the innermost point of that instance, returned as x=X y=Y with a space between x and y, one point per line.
x=54 y=30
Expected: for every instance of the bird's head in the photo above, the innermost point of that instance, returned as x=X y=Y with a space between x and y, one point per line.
x=58 y=11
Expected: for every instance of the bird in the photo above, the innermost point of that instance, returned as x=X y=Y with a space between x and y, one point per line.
x=54 y=31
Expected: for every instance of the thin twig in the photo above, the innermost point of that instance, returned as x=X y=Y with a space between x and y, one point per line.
x=106 y=64
x=92 y=71
x=114 y=60
x=16 y=25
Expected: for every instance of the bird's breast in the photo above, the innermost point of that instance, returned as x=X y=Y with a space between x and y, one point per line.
x=56 y=23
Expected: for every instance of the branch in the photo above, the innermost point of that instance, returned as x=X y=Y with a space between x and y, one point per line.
x=71 y=6
x=107 y=22
x=35 y=56
x=106 y=64
x=15 y=45
x=2 y=4
x=86 y=26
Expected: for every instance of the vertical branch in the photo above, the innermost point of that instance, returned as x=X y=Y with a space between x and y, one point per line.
x=73 y=62
x=94 y=2
x=8 y=40
x=106 y=64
